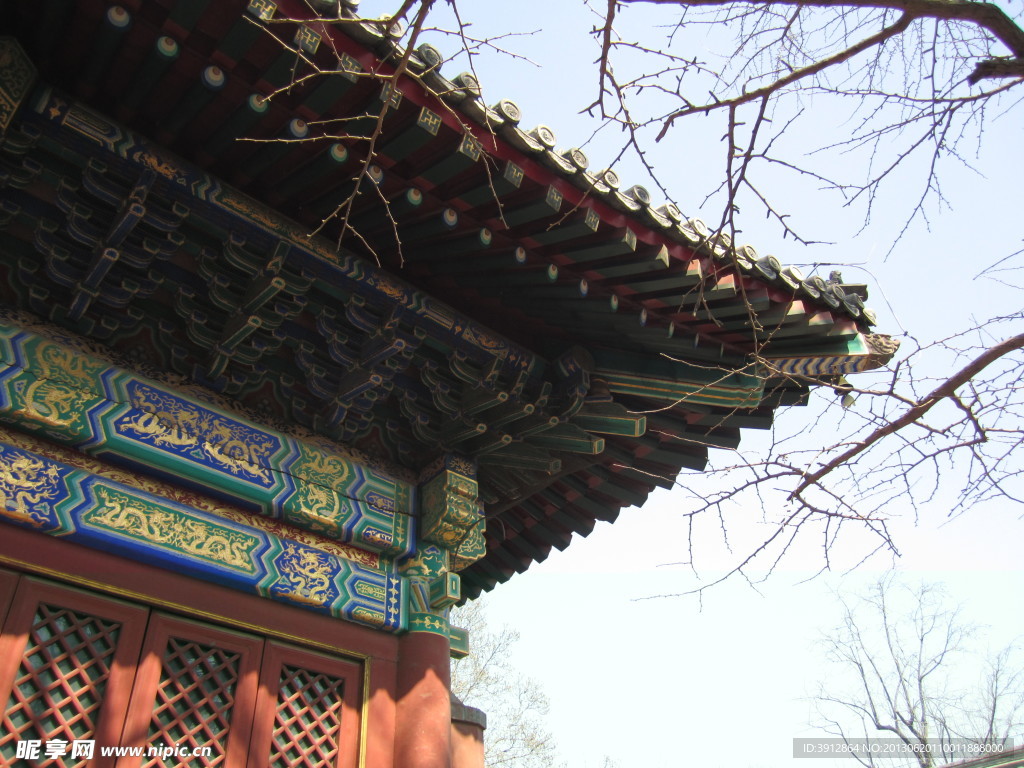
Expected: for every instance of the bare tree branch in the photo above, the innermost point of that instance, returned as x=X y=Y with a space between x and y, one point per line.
x=900 y=655
x=761 y=93
x=945 y=390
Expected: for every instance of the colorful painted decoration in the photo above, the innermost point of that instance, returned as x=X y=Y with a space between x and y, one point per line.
x=861 y=353
x=16 y=77
x=451 y=516
x=55 y=390
x=234 y=549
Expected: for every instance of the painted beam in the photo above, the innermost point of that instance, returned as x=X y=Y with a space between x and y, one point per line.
x=78 y=399
x=216 y=544
x=662 y=379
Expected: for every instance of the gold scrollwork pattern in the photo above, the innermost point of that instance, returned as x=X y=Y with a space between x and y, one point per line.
x=305 y=576
x=189 y=498
x=57 y=390
x=451 y=517
x=176 y=530
x=16 y=77
x=26 y=483
x=172 y=422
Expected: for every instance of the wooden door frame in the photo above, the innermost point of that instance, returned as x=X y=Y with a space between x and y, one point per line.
x=275 y=656
x=132 y=619
x=8 y=583
x=162 y=627
x=375 y=653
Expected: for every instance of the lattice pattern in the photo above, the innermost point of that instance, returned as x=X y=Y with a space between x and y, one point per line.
x=307 y=721
x=61 y=681
x=194 y=699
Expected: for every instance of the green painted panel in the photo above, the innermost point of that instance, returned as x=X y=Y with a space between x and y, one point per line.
x=58 y=388
x=659 y=378
x=227 y=547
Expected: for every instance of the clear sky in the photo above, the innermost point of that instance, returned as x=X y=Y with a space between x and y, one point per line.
x=665 y=682
x=671 y=681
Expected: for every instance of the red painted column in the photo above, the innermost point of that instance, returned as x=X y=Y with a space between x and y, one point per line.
x=468 y=724
x=467 y=745
x=423 y=716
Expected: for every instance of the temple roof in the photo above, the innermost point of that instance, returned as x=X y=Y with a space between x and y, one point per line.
x=581 y=343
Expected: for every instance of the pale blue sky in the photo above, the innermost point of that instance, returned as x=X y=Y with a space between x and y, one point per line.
x=666 y=682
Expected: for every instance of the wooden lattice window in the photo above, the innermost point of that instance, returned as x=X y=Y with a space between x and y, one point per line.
x=77 y=666
x=307 y=714
x=307 y=723
x=195 y=688
x=64 y=673
x=66 y=658
x=195 y=699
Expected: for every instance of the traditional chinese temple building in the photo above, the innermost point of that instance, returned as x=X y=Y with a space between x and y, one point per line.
x=269 y=408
